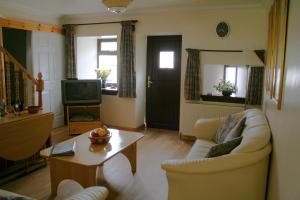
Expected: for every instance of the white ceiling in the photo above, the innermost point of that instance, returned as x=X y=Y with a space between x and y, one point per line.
x=58 y=8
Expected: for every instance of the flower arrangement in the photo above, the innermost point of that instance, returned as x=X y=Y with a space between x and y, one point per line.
x=225 y=87
x=102 y=73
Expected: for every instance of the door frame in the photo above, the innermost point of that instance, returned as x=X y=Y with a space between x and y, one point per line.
x=149 y=62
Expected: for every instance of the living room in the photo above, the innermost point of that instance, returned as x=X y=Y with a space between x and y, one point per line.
x=196 y=22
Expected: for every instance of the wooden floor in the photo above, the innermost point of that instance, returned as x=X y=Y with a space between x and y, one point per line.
x=149 y=183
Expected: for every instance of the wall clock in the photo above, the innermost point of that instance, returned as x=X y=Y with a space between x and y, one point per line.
x=222 y=29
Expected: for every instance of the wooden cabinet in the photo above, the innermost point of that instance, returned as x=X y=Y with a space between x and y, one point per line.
x=83 y=118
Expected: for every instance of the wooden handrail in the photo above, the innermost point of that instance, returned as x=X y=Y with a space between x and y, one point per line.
x=17 y=64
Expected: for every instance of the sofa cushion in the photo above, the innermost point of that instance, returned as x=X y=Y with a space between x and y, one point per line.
x=224 y=148
x=236 y=131
x=225 y=128
x=200 y=149
x=256 y=134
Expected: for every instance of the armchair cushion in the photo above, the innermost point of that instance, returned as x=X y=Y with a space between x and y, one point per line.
x=225 y=128
x=224 y=148
x=236 y=131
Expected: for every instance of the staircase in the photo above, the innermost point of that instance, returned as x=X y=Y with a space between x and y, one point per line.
x=21 y=78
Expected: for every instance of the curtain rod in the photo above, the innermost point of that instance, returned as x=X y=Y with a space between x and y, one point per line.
x=215 y=50
x=116 y=22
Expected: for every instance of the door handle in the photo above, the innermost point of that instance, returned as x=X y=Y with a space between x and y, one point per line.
x=149 y=82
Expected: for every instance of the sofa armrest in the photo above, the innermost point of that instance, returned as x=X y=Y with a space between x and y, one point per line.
x=217 y=164
x=206 y=128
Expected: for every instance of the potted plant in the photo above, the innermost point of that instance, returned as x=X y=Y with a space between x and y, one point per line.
x=226 y=88
x=103 y=74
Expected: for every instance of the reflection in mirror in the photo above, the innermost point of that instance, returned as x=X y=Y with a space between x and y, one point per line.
x=236 y=74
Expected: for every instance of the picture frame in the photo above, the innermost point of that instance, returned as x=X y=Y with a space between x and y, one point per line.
x=277 y=35
x=269 y=61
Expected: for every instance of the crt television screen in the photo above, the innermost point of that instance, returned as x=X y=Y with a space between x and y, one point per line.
x=81 y=91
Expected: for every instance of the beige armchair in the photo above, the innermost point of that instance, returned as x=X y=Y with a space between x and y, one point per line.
x=240 y=175
x=71 y=190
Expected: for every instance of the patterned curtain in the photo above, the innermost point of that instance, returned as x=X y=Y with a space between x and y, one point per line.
x=192 y=89
x=255 y=86
x=70 y=65
x=127 y=82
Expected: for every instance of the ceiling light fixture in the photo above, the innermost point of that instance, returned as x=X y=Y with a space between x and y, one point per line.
x=116 y=6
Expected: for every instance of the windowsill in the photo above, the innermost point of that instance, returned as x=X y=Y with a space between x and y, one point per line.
x=109 y=91
x=216 y=98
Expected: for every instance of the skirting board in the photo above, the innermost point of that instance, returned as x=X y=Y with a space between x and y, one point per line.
x=187 y=137
x=139 y=128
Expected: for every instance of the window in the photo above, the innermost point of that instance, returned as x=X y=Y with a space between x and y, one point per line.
x=107 y=58
x=213 y=73
x=166 y=60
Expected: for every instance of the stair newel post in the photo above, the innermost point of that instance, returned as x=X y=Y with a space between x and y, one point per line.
x=32 y=92
x=40 y=88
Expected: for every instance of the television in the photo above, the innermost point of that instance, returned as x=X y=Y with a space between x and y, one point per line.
x=81 y=91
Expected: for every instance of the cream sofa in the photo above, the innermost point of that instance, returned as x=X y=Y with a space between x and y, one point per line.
x=240 y=175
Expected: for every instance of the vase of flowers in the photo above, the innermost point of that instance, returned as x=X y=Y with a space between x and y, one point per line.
x=226 y=88
x=102 y=74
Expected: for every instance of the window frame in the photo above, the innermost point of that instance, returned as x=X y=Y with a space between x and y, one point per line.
x=108 y=91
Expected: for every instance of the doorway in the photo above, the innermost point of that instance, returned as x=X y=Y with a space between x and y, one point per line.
x=163 y=81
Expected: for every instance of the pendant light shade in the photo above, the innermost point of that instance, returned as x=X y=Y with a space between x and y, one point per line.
x=116 y=6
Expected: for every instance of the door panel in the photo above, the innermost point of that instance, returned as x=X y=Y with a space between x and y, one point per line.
x=47 y=51
x=163 y=81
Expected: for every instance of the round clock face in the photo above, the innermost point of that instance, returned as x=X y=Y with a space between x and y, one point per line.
x=222 y=29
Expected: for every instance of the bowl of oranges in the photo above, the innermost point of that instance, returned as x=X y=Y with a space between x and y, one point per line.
x=100 y=135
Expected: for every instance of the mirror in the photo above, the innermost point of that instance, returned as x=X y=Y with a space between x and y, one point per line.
x=213 y=73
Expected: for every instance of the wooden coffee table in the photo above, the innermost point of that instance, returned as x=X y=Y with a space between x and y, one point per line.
x=82 y=167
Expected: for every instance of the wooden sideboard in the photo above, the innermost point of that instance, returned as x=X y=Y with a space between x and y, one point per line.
x=21 y=139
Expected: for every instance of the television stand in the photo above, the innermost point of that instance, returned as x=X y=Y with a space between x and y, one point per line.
x=83 y=118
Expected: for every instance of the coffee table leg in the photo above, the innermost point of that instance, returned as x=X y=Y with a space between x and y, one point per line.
x=130 y=153
x=60 y=170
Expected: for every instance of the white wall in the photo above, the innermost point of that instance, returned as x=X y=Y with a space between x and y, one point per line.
x=285 y=165
x=86 y=57
x=248 y=29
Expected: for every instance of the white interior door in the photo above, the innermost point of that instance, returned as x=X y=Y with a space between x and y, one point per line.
x=48 y=58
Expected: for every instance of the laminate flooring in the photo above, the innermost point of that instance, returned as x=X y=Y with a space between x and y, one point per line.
x=149 y=182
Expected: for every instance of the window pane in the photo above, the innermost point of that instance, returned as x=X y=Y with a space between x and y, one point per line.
x=166 y=59
x=109 y=62
x=108 y=46
x=230 y=74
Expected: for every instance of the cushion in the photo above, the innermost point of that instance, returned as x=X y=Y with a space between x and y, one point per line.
x=224 y=148
x=200 y=149
x=236 y=131
x=225 y=128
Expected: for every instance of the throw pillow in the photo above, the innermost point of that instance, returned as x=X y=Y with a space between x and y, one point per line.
x=224 y=148
x=236 y=131
x=225 y=128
